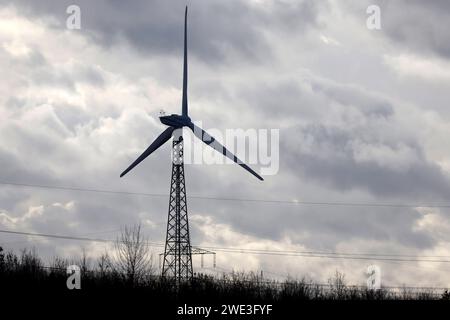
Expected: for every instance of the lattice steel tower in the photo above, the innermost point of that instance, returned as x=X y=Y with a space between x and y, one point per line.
x=177 y=261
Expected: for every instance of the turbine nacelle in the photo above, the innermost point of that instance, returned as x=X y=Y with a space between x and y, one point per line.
x=175 y=120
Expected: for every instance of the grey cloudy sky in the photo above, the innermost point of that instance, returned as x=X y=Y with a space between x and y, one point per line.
x=363 y=117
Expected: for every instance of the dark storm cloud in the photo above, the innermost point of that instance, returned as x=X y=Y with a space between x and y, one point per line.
x=365 y=102
x=419 y=26
x=19 y=169
x=216 y=28
x=338 y=167
x=317 y=226
x=310 y=98
x=355 y=138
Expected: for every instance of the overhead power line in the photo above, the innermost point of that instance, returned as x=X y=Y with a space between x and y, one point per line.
x=273 y=201
x=328 y=253
x=67 y=237
x=54 y=236
x=310 y=255
x=306 y=254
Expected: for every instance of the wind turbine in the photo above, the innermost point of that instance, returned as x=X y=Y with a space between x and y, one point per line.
x=177 y=254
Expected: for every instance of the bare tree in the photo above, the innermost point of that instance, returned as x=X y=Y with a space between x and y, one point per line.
x=132 y=255
x=83 y=262
x=2 y=260
x=338 y=285
x=104 y=264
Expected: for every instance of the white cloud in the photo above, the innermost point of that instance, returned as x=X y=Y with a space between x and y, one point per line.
x=435 y=223
x=329 y=40
x=33 y=212
x=426 y=68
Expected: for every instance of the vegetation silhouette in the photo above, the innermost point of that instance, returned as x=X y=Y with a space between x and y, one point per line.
x=131 y=268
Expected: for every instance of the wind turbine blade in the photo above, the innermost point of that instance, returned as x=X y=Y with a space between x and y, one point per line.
x=162 y=138
x=213 y=143
x=185 y=69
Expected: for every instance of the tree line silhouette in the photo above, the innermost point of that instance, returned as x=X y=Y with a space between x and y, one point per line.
x=131 y=267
